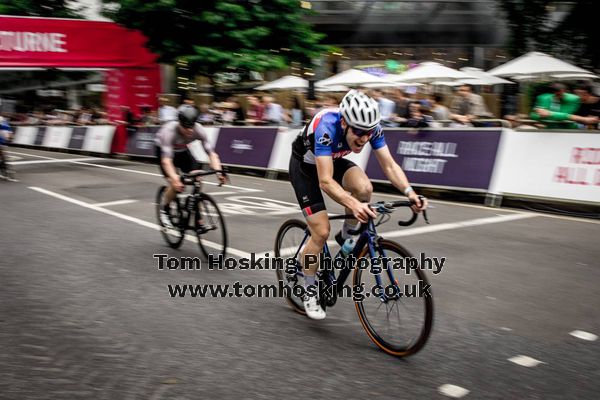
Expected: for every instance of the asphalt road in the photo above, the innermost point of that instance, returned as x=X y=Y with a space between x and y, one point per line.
x=85 y=312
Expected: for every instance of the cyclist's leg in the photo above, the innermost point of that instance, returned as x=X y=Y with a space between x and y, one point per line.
x=305 y=181
x=354 y=180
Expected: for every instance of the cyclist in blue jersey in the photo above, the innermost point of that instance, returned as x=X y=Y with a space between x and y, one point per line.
x=317 y=164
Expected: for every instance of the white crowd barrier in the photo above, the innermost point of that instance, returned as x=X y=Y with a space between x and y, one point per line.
x=97 y=138
x=498 y=161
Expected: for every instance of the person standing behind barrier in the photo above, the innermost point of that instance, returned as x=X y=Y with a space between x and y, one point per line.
x=165 y=111
x=273 y=114
x=401 y=107
x=386 y=108
x=589 y=108
x=557 y=108
x=467 y=106
x=416 y=118
x=297 y=113
x=254 y=115
x=439 y=112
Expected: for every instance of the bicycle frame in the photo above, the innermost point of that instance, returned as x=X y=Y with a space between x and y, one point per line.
x=368 y=236
x=190 y=203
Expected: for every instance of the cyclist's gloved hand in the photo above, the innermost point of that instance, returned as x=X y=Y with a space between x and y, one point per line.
x=419 y=202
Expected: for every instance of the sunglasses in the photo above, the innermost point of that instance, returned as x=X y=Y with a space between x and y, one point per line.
x=362 y=132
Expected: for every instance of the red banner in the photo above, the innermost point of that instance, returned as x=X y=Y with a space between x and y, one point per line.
x=133 y=87
x=69 y=43
x=134 y=78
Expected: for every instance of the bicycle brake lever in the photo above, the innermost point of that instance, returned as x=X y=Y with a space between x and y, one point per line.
x=425 y=217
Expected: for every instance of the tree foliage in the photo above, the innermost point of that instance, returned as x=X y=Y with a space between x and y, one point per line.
x=574 y=38
x=220 y=35
x=39 y=8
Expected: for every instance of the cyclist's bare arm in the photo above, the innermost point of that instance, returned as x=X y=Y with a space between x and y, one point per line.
x=333 y=189
x=169 y=167
x=396 y=175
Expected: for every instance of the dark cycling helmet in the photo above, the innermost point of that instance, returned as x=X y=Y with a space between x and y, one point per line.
x=359 y=110
x=187 y=116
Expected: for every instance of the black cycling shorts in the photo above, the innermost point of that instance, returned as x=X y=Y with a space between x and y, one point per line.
x=305 y=181
x=183 y=160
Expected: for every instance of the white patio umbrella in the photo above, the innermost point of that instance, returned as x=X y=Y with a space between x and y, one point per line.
x=390 y=85
x=351 y=77
x=447 y=83
x=481 y=77
x=428 y=72
x=555 y=77
x=332 y=88
x=285 y=83
x=538 y=64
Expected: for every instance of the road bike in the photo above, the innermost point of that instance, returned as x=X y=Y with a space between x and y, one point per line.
x=381 y=291
x=196 y=211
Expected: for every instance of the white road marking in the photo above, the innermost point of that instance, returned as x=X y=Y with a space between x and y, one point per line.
x=115 y=203
x=220 y=193
x=230 y=250
x=525 y=361
x=506 y=329
x=435 y=228
x=456 y=225
x=584 y=335
x=453 y=391
x=30 y=155
x=55 y=160
x=396 y=196
x=248 y=190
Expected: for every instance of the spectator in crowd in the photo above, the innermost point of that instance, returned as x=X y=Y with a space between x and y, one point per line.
x=207 y=117
x=467 y=106
x=273 y=114
x=401 y=110
x=416 y=117
x=236 y=109
x=329 y=100
x=148 y=117
x=555 y=107
x=101 y=117
x=386 y=107
x=439 y=112
x=255 y=111
x=589 y=107
x=297 y=113
x=85 y=117
x=128 y=119
x=166 y=112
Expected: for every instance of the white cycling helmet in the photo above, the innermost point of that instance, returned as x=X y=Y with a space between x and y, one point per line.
x=359 y=110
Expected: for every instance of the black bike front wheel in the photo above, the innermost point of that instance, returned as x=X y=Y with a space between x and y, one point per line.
x=396 y=310
x=287 y=242
x=210 y=228
x=172 y=232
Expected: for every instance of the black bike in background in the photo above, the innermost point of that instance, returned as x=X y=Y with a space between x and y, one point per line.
x=196 y=211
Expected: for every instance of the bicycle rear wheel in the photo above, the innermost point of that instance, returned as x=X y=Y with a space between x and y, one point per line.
x=287 y=242
x=173 y=234
x=399 y=324
x=210 y=227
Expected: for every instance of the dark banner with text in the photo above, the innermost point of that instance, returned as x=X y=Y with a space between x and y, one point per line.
x=455 y=158
x=246 y=146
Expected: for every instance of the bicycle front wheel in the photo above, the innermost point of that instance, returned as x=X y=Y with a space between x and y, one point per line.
x=210 y=228
x=172 y=231
x=287 y=244
x=397 y=309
